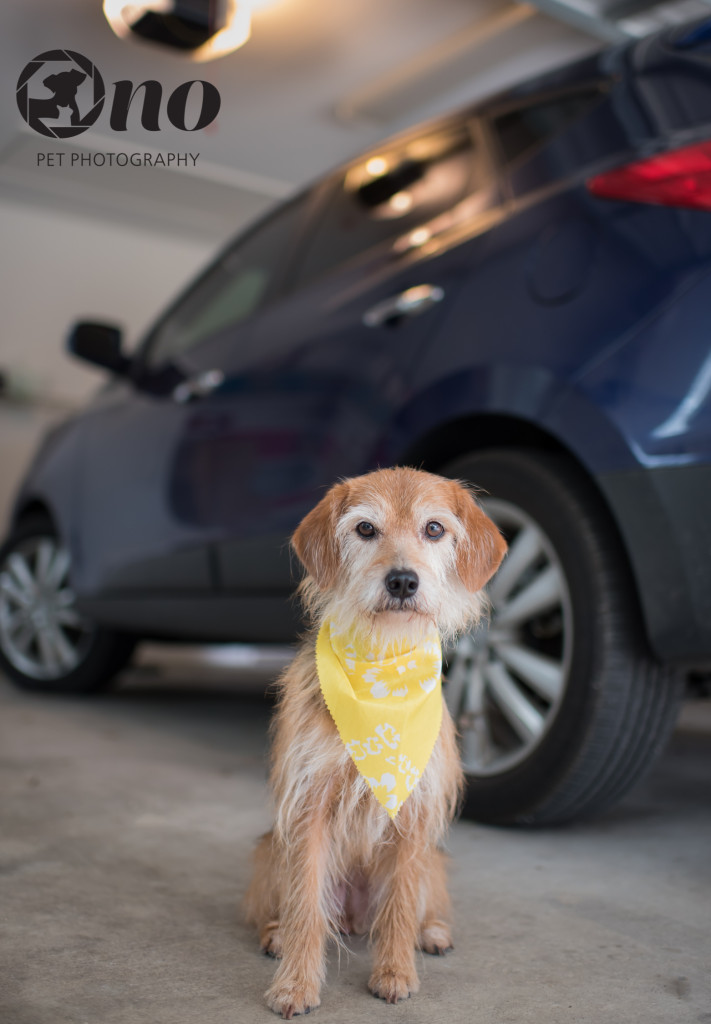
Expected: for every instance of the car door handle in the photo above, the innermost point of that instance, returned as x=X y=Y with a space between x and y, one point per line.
x=198 y=386
x=411 y=302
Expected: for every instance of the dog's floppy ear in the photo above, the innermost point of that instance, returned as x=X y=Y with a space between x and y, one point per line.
x=315 y=539
x=480 y=551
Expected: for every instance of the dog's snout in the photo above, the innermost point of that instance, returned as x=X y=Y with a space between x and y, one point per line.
x=402 y=583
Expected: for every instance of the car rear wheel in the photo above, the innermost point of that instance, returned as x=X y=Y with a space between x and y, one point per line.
x=45 y=642
x=559 y=704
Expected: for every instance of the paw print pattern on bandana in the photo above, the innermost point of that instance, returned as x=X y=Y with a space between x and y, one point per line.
x=409 y=770
x=387 y=781
x=389 y=736
x=428 y=685
x=386 y=735
x=387 y=676
x=360 y=749
x=379 y=688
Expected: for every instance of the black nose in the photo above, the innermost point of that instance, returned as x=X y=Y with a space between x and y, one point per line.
x=402 y=583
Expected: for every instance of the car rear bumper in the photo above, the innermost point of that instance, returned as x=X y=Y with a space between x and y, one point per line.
x=664 y=515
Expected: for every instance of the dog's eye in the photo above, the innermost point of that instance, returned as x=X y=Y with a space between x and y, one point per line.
x=365 y=530
x=434 y=530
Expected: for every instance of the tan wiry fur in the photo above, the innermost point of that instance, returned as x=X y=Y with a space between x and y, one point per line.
x=334 y=861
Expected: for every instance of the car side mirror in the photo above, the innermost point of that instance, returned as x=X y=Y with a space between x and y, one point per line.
x=99 y=344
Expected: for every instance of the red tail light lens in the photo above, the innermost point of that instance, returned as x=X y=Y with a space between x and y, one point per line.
x=681 y=177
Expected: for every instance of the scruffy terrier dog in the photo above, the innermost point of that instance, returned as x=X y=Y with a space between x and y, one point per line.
x=365 y=769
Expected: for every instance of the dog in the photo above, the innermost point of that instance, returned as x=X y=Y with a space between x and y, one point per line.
x=392 y=558
x=64 y=87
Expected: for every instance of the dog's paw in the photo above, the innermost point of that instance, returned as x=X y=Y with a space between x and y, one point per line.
x=435 y=938
x=270 y=940
x=392 y=985
x=289 y=999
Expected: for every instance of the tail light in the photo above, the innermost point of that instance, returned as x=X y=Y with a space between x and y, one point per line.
x=681 y=177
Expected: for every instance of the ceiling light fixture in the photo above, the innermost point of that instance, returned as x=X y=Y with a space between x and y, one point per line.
x=201 y=29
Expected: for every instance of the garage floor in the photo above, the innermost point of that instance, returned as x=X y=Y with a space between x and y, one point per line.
x=126 y=824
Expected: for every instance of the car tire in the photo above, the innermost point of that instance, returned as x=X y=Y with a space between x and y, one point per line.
x=559 y=703
x=45 y=643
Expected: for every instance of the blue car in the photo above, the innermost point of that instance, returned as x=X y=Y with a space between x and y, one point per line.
x=517 y=295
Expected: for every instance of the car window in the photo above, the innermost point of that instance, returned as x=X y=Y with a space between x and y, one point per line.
x=391 y=192
x=520 y=132
x=231 y=291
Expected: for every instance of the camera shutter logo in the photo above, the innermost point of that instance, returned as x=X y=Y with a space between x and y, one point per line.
x=36 y=105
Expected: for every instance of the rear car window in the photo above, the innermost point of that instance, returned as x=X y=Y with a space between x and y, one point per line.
x=389 y=193
x=522 y=131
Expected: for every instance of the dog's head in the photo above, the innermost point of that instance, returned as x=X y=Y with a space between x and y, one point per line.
x=397 y=552
x=64 y=82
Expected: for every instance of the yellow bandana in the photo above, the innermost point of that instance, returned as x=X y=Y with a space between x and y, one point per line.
x=387 y=707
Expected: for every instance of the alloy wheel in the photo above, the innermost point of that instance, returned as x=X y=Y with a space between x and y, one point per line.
x=506 y=678
x=41 y=632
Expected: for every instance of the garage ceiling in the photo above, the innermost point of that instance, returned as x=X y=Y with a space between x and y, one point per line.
x=318 y=81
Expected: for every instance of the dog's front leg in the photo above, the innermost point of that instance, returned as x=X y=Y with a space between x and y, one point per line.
x=398 y=881
x=303 y=919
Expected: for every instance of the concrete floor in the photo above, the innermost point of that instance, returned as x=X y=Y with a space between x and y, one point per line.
x=126 y=824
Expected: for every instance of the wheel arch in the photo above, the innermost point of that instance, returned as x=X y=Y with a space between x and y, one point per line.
x=32 y=506
x=482 y=431
x=460 y=436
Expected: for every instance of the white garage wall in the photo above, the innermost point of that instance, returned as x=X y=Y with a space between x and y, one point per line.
x=56 y=268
